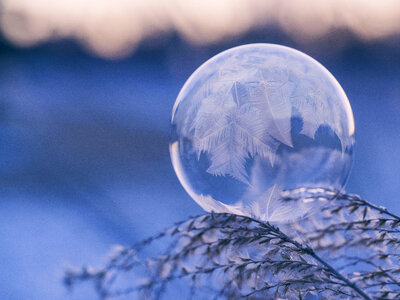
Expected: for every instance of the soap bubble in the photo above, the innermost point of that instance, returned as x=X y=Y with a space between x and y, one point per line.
x=264 y=131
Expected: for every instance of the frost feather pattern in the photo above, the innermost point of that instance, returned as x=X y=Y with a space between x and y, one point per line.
x=245 y=110
x=231 y=133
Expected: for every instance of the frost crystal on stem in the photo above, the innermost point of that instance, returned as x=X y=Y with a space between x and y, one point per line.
x=350 y=250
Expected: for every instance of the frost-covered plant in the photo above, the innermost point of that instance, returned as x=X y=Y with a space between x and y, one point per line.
x=349 y=250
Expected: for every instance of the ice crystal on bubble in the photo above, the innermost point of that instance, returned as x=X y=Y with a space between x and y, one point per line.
x=261 y=119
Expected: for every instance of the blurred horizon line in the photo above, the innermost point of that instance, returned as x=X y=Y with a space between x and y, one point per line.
x=114 y=29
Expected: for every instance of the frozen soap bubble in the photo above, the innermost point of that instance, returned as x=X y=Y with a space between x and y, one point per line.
x=264 y=131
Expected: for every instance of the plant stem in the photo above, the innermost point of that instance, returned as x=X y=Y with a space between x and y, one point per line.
x=310 y=251
x=338 y=275
x=380 y=209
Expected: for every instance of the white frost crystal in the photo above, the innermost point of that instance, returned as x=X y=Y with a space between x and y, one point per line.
x=256 y=122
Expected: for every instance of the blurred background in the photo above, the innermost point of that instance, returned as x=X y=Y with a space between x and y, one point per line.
x=86 y=93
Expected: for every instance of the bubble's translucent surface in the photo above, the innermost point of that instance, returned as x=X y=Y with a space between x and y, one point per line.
x=258 y=124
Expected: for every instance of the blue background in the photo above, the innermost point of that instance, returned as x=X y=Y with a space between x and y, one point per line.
x=84 y=161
